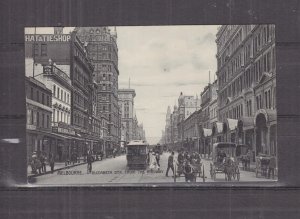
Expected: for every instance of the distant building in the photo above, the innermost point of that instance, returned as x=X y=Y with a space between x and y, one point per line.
x=187 y=105
x=126 y=106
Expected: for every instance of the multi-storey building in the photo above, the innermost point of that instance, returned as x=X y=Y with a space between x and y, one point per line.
x=126 y=106
x=187 y=105
x=208 y=96
x=191 y=134
x=57 y=59
x=39 y=112
x=247 y=86
x=174 y=128
x=102 y=49
x=213 y=111
x=168 y=127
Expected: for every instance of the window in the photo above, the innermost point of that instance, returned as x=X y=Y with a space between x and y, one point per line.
x=44 y=50
x=62 y=94
x=48 y=125
x=43 y=98
x=48 y=100
x=31 y=117
x=53 y=116
x=65 y=97
x=58 y=92
x=54 y=90
x=35 y=49
x=43 y=120
x=38 y=119
x=37 y=96
x=31 y=93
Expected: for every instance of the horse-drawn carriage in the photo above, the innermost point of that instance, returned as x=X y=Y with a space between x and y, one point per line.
x=262 y=164
x=189 y=168
x=225 y=161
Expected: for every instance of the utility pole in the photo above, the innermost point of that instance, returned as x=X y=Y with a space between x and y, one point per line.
x=34 y=52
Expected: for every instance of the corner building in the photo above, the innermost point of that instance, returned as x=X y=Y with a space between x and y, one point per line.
x=101 y=45
x=247 y=86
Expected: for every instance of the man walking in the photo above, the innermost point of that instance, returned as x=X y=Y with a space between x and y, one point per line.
x=272 y=166
x=90 y=160
x=157 y=157
x=170 y=164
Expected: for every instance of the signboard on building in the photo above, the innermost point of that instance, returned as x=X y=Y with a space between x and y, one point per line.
x=47 y=38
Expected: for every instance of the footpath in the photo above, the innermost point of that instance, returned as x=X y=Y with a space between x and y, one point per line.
x=57 y=166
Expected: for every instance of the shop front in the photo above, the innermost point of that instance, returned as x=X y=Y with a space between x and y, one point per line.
x=265 y=132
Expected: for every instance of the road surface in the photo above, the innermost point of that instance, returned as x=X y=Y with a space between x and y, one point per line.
x=114 y=171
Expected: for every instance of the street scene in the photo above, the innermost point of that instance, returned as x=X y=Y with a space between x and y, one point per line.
x=151 y=104
x=115 y=171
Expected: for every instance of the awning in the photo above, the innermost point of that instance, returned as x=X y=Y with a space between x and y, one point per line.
x=246 y=122
x=207 y=132
x=219 y=126
x=63 y=137
x=232 y=124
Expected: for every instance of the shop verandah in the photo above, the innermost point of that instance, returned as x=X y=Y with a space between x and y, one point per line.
x=61 y=146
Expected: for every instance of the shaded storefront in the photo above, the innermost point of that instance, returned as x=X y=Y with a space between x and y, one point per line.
x=265 y=132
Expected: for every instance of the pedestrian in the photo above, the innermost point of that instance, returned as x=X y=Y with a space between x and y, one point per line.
x=188 y=172
x=180 y=158
x=157 y=157
x=272 y=166
x=43 y=162
x=51 y=162
x=90 y=160
x=170 y=164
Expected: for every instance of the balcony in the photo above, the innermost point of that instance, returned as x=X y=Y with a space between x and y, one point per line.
x=52 y=70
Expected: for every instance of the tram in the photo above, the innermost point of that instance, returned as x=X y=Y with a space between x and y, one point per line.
x=137 y=154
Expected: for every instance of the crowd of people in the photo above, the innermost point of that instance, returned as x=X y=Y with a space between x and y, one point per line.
x=38 y=162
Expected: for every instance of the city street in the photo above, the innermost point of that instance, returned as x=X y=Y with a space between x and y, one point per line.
x=114 y=170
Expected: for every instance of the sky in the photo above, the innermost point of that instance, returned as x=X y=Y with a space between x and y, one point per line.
x=161 y=62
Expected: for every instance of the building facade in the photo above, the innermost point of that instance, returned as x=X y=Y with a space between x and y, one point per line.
x=126 y=106
x=102 y=49
x=39 y=112
x=247 y=86
x=60 y=61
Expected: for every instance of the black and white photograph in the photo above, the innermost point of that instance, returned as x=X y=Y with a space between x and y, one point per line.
x=142 y=105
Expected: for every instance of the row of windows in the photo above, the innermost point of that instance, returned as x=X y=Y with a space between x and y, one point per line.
x=265 y=64
x=60 y=116
x=60 y=94
x=265 y=101
x=80 y=100
x=80 y=120
x=80 y=77
x=39 y=119
x=99 y=47
x=39 y=49
x=263 y=36
x=40 y=97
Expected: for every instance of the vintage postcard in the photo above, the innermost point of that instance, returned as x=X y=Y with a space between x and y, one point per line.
x=151 y=104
